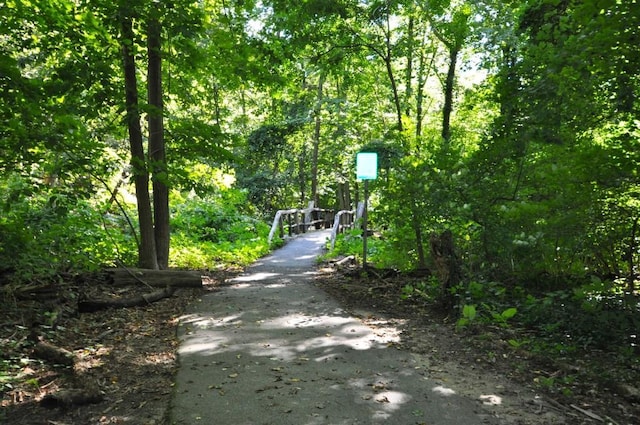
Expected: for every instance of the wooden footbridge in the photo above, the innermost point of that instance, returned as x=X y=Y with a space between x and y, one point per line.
x=288 y=223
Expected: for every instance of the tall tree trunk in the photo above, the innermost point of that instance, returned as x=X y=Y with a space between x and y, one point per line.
x=423 y=72
x=409 y=69
x=316 y=139
x=394 y=88
x=156 y=141
x=448 y=94
x=146 y=249
x=302 y=177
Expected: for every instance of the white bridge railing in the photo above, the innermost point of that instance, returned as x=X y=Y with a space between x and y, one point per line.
x=287 y=223
x=295 y=221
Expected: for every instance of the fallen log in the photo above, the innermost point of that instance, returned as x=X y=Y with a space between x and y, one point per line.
x=155 y=278
x=53 y=354
x=92 y=305
x=73 y=397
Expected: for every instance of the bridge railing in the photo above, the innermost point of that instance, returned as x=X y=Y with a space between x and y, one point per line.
x=287 y=223
x=345 y=219
x=295 y=221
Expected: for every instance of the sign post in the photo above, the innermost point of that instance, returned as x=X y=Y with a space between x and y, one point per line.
x=366 y=169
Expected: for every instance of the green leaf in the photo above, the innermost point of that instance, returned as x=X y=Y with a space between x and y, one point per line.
x=469 y=312
x=509 y=313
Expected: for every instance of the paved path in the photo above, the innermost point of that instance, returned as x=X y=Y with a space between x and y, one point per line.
x=272 y=348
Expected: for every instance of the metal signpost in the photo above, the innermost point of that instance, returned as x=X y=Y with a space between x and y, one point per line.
x=366 y=169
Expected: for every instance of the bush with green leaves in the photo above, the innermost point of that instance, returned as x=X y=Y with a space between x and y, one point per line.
x=215 y=231
x=584 y=318
x=45 y=232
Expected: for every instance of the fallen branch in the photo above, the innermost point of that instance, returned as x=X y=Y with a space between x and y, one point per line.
x=53 y=354
x=133 y=275
x=350 y=259
x=90 y=306
x=587 y=413
x=68 y=398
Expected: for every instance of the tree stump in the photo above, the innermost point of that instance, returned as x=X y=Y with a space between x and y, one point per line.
x=448 y=269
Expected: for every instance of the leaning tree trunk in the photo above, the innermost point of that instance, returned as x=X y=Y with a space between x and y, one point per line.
x=146 y=249
x=447 y=266
x=156 y=142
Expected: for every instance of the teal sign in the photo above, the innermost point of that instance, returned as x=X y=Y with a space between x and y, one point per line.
x=367 y=166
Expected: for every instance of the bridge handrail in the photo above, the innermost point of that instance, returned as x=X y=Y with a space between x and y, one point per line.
x=344 y=219
x=339 y=225
x=295 y=225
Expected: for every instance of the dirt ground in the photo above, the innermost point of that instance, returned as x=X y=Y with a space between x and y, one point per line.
x=586 y=388
x=128 y=356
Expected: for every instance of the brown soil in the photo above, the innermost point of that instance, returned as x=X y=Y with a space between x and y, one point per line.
x=128 y=356
x=584 y=388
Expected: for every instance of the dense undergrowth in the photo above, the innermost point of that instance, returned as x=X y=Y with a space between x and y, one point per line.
x=51 y=234
x=579 y=316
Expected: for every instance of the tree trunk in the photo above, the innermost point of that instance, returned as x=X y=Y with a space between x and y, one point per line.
x=71 y=398
x=409 y=68
x=394 y=89
x=53 y=354
x=156 y=142
x=423 y=72
x=447 y=266
x=448 y=94
x=146 y=249
x=631 y=277
x=302 y=178
x=316 y=140
x=388 y=61
x=343 y=195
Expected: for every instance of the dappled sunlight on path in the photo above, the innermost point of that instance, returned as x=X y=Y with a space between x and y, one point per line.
x=271 y=348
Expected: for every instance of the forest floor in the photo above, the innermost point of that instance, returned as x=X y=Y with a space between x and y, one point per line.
x=128 y=356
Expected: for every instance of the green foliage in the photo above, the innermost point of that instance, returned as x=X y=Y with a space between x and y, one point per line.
x=501 y=318
x=268 y=164
x=469 y=315
x=485 y=313
x=216 y=231
x=582 y=318
x=538 y=183
x=348 y=243
x=46 y=232
x=424 y=291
